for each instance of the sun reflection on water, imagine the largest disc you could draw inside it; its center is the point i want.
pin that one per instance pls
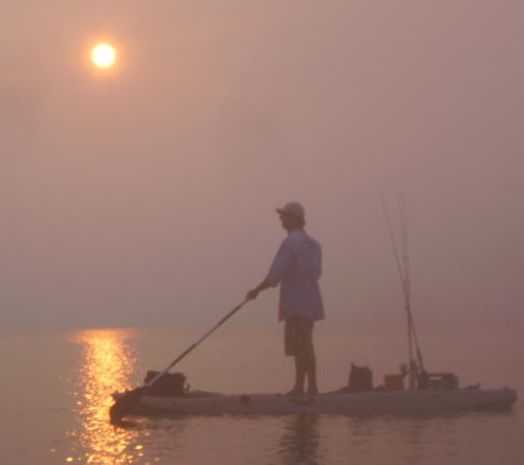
(107, 366)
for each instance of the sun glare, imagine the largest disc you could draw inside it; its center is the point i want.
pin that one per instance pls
(103, 55)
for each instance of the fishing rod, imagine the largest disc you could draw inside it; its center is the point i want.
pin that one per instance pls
(403, 265)
(407, 276)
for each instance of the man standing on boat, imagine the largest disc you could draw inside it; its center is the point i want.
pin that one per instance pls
(297, 267)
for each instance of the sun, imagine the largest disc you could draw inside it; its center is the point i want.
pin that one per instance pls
(103, 55)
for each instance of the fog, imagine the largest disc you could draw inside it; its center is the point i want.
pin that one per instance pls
(147, 197)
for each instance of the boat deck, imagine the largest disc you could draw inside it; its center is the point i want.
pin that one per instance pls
(427, 402)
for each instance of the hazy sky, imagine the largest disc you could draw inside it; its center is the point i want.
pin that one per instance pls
(148, 197)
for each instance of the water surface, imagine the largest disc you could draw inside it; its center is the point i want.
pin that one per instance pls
(57, 387)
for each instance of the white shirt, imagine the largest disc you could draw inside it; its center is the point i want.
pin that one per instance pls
(297, 267)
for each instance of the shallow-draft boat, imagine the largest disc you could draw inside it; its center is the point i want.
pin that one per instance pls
(427, 393)
(422, 402)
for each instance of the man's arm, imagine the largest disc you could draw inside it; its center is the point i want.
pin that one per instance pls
(253, 293)
(280, 265)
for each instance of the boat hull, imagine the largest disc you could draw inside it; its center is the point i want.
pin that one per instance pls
(428, 402)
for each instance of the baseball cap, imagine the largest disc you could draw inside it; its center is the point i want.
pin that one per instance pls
(292, 209)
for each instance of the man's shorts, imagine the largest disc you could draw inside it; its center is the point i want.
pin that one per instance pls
(298, 336)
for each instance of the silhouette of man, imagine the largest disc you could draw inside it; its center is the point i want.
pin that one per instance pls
(297, 267)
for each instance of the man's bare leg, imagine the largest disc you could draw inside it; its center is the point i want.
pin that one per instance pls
(300, 374)
(311, 372)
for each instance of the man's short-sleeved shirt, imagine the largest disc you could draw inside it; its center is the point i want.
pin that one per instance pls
(297, 267)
